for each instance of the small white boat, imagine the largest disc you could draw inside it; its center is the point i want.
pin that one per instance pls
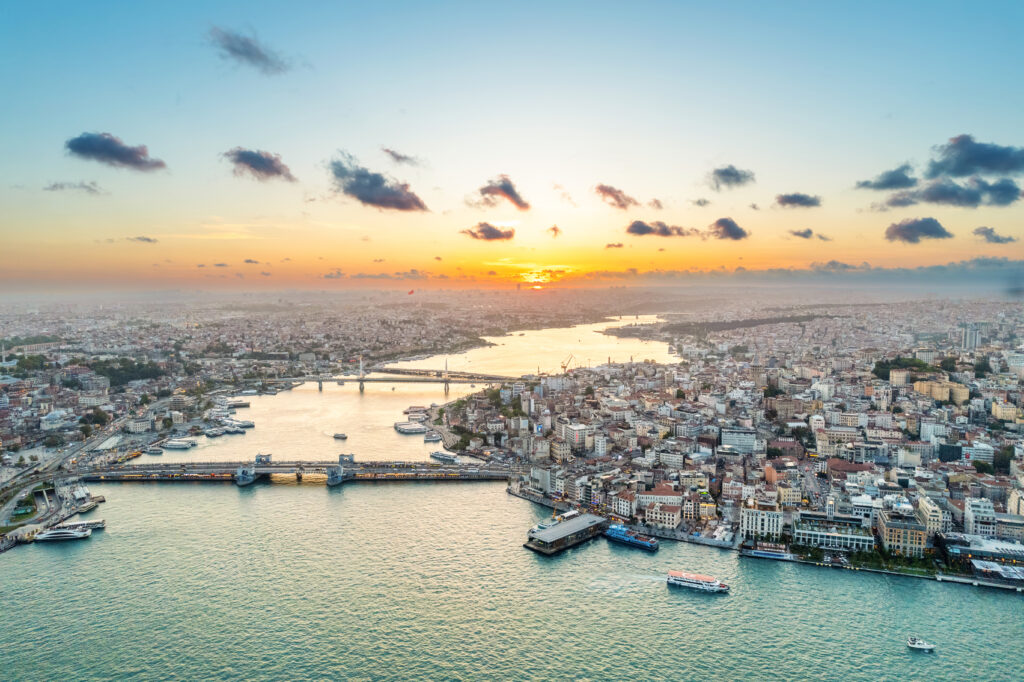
(696, 581)
(55, 534)
(919, 644)
(340, 436)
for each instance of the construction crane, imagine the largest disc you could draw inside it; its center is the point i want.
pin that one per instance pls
(567, 362)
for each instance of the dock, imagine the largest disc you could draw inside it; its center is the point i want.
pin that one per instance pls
(566, 534)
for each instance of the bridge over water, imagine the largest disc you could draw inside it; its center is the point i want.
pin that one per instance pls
(401, 375)
(343, 470)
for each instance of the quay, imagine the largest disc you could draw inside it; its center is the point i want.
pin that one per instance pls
(566, 534)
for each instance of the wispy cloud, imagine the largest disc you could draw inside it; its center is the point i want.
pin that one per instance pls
(502, 187)
(112, 151)
(142, 240)
(554, 231)
(247, 50)
(944, 191)
(615, 197)
(659, 229)
(89, 187)
(701, 202)
(400, 158)
(616, 245)
(258, 164)
(897, 178)
(488, 232)
(372, 189)
(993, 237)
(656, 204)
(336, 273)
(809, 234)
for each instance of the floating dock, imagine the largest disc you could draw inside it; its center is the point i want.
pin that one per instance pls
(566, 534)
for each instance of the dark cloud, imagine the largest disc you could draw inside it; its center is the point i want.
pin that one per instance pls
(220, 265)
(554, 230)
(728, 177)
(897, 178)
(755, 207)
(616, 245)
(963, 156)
(656, 204)
(992, 237)
(259, 164)
(660, 229)
(399, 157)
(797, 200)
(838, 266)
(88, 187)
(615, 197)
(974, 193)
(803, 234)
(823, 237)
(336, 273)
(372, 189)
(250, 261)
(913, 230)
(502, 187)
(488, 232)
(248, 51)
(111, 150)
(701, 203)
(142, 240)
(726, 228)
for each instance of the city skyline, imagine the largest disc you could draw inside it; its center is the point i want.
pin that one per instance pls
(344, 147)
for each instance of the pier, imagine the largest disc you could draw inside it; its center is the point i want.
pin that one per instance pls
(344, 470)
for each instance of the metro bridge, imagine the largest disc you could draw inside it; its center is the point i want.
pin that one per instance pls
(343, 470)
(403, 376)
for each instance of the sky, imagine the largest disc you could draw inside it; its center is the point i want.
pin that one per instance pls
(343, 145)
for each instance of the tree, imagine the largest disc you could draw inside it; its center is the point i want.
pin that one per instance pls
(589, 390)
(983, 468)
(53, 441)
(1001, 462)
(167, 422)
(981, 368)
(680, 394)
(86, 430)
(948, 364)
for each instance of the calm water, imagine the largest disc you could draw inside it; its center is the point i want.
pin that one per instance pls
(401, 580)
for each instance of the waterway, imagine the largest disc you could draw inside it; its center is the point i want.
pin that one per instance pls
(417, 580)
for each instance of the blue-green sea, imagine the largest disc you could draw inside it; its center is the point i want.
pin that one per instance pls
(420, 580)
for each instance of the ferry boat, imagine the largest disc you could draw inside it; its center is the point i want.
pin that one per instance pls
(214, 433)
(417, 416)
(432, 437)
(696, 581)
(55, 534)
(919, 644)
(619, 533)
(153, 450)
(543, 525)
(178, 444)
(445, 457)
(340, 436)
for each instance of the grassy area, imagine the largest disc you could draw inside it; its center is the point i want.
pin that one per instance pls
(8, 529)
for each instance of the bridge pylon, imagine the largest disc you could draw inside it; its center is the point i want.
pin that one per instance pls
(336, 474)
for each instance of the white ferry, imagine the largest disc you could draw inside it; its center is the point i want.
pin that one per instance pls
(410, 428)
(178, 444)
(55, 534)
(696, 581)
(432, 437)
(445, 457)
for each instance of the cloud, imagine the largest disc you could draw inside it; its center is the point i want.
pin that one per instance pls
(336, 273)
(616, 245)
(566, 197)
(201, 265)
(897, 178)
(412, 274)
(554, 230)
(701, 202)
(797, 199)
(913, 230)
(838, 266)
(437, 258)
(265, 273)
(992, 237)
(823, 237)
(615, 197)
(726, 228)
(142, 240)
(250, 261)
(220, 265)
(656, 204)
(488, 232)
(88, 187)
(372, 189)
(660, 229)
(248, 51)
(499, 188)
(259, 164)
(401, 158)
(974, 193)
(378, 260)
(962, 156)
(111, 150)
(755, 207)
(239, 275)
(803, 234)
(492, 273)
(728, 177)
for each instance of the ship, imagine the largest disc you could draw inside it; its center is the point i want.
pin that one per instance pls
(408, 428)
(154, 450)
(444, 457)
(178, 444)
(619, 533)
(432, 437)
(696, 581)
(214, 432)
(55, 534)
(340, 436)
(919, 644)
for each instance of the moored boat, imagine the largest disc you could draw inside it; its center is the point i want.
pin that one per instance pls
(55, 534)
(619, 533)
(340, 436)
(444, 457)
